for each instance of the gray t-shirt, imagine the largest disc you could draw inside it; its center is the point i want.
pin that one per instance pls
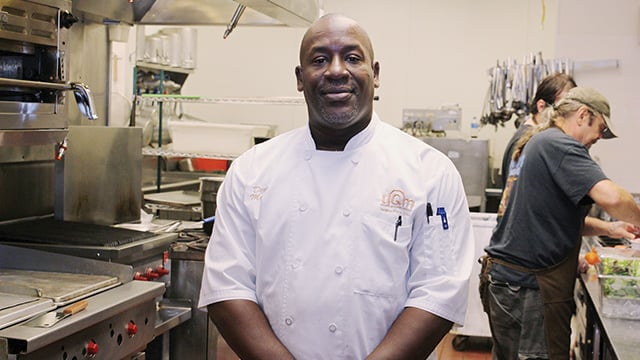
(508, 151)
(547, 206)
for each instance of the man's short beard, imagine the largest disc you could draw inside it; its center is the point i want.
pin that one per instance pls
(339, 120)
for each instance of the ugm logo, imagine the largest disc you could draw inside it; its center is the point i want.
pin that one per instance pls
(396, 199)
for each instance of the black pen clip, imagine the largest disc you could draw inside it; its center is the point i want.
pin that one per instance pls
(429, 211)
(398, 224)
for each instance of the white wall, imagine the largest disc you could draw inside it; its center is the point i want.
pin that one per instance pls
(591, 30)
(433, 53)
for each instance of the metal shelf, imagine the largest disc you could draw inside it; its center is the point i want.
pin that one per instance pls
(240, 101)
(154, 66)
(170, 153)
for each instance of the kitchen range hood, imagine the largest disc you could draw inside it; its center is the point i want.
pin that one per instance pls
(295, 13)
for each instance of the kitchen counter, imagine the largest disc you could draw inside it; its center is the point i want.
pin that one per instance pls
(619, 338)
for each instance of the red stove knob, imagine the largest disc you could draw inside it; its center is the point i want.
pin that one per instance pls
(139, 276)
(132, 328)
(162, 270)
(149, 273)
(92, 348)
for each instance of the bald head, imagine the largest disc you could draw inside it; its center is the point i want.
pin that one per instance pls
(334, 21)
(338, 76)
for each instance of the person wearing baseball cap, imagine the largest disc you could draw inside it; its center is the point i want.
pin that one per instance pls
(596, 102)
(533, 255)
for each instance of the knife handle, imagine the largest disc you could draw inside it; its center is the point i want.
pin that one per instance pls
(76, 307)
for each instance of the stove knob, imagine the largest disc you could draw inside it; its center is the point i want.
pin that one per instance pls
(150, 274)
(92, 348)
(132, 329)
(162, 270)
(67, 19)
(139, 276)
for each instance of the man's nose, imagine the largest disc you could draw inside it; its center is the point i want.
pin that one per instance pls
(337, 67)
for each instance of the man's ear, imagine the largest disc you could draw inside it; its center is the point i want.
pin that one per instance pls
(299, 77)
(582, 114)
(376, 74)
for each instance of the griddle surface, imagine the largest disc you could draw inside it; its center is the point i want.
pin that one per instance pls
(58, 232)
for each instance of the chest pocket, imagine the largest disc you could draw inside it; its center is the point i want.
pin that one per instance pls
(381, 256)
(439, 235)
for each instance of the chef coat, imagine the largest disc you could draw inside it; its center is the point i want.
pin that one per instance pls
(332, 245)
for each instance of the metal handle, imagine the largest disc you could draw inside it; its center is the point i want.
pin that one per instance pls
(34, 84)
(75, 308)
(85, 100)
(234, 20)
(81, 91)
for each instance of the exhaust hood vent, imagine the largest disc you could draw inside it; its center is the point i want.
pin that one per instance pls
(296, 13)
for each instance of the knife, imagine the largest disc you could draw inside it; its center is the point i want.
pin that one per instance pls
(51, 318)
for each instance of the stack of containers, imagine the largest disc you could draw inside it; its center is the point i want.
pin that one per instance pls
(619, 275)
(175, 47)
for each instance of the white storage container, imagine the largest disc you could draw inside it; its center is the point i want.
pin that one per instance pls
(211, 138)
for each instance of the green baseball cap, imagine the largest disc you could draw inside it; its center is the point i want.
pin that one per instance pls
(596, 102)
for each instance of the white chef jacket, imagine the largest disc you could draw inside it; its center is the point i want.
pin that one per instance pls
(314, 238)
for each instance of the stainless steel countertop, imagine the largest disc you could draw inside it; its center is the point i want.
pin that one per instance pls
(101, 307)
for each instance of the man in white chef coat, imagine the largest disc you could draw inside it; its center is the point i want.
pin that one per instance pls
(343, 239)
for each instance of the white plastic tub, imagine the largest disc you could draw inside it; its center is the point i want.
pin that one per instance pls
(211, 138)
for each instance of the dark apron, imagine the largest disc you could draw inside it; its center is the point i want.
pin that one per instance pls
(556, 285)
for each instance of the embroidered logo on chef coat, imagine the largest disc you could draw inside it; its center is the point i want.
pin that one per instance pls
(257, 192)
(396, 199)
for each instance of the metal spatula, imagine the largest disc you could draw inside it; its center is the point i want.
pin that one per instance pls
(51, 318)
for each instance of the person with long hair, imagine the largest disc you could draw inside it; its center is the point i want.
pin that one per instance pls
(528, 276)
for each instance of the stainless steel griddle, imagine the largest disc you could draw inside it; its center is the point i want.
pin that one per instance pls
(121, 318)
(90, 241)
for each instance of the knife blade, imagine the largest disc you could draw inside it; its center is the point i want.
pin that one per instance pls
(53, 317)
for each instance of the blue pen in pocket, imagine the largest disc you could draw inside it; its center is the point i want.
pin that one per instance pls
(443, 215)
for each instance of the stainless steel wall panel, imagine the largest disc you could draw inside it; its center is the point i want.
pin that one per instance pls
(99, 180)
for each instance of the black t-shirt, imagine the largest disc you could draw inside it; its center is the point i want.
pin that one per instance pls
(547, 205)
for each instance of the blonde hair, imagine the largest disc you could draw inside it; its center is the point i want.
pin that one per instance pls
(551, 117)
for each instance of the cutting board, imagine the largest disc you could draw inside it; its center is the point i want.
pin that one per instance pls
(60, 287)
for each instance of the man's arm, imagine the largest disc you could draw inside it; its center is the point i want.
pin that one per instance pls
(612, 229)
(616, 201)
(414, 335)
(246, 330)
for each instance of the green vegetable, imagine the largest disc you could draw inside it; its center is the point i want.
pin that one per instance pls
(617, 266)
(618, 287)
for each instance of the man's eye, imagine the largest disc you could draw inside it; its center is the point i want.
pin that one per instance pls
(353, 58)
(319, 60)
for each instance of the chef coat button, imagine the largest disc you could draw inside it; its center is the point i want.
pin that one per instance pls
(333, 327)
(307, 155)
(339, 269)
(303, 207)
(355, 161)
(288, 321)
(346, 212)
